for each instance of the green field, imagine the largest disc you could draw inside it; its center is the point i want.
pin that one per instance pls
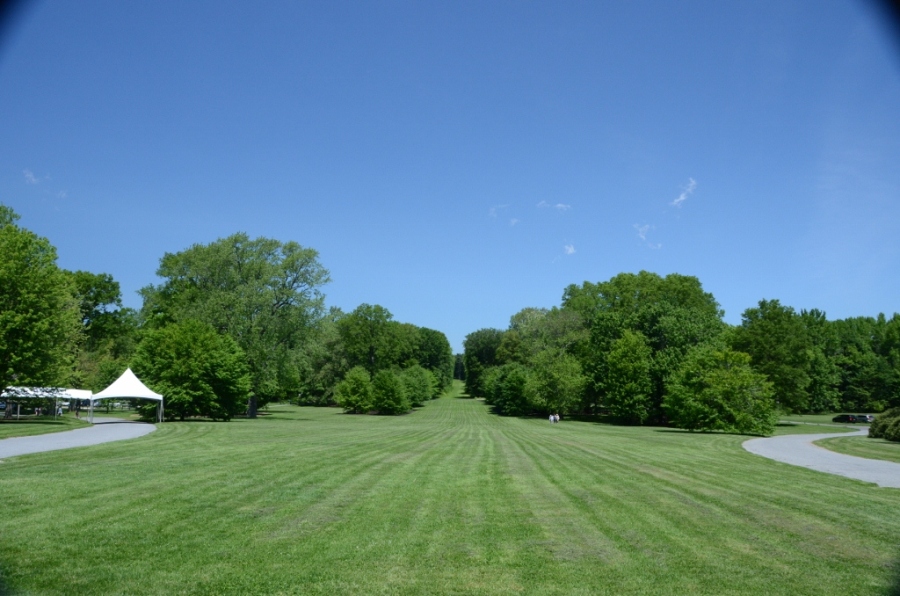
(784, 428)
(449, 499)
(29, 425)
(864, 447)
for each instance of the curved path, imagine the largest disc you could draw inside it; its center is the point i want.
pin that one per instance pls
(104, 430)
(798, 450)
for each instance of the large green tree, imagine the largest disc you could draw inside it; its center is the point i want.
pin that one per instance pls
(200, 372)
(627, 384)
(775, 338)
(480, 354)
(40, 320)
(262, 292)
(370, 337)
(716, 389)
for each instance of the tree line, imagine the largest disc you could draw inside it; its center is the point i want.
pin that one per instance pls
(645, 349)
(234, 324)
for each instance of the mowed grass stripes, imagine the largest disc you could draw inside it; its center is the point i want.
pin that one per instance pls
(449, 499)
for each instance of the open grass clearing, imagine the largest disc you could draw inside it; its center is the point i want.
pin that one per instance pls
(449, 499)
(863, 447)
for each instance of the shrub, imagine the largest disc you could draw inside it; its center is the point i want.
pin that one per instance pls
(198, 371)
(354, 392)
(509, 393)
(715, 389)
(420, 385)
(556, 383)
(389, 394)
(882, 422)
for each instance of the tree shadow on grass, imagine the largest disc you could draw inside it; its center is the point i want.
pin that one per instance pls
(893, 587)
(700, 433)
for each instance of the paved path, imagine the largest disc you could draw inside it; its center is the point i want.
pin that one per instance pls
(798, 450)
(104, 430)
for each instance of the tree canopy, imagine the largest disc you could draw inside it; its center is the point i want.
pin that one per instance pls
(40, 319)
(262, 292)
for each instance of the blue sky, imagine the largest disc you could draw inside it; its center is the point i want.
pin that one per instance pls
(458, 161)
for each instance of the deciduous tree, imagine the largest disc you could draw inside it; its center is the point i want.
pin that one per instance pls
(40, 321)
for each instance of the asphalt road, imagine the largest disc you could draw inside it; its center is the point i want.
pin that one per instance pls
(798, 450)
(104, 430)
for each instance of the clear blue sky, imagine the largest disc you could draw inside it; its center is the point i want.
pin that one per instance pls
(458, 161)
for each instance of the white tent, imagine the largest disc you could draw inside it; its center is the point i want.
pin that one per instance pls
(128, 386)
(55, 393)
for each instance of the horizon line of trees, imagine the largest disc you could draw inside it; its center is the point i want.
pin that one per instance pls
(234, 324)
(645, 349)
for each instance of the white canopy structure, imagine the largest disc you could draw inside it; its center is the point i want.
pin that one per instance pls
(55, 393)
(128, 386)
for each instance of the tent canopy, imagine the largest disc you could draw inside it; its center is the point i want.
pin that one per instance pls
(128, 385)
(45, 393)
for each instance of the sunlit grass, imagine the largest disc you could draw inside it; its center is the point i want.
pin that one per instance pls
(449, 499)
(30, 425)
(864, 447)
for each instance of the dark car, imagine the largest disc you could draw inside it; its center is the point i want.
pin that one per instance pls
(864, 418)
(845, 418)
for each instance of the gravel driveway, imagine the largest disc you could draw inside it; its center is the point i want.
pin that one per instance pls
(104, 430)
(798, 450)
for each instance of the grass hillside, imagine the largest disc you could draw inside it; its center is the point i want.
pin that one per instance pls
(449, 499)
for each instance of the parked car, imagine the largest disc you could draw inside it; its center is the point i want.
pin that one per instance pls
(864, 418)
(844, 418)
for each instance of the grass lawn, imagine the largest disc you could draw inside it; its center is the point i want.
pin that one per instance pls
(447, 500)
(864, 447)
(38, 426)
(784, 428)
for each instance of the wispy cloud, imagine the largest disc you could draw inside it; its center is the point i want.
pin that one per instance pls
(569, 248)
(62, 194)
(513, 222)
(30, 178)
(493, 211)
(558, 206)
(642, 231)
(686, 191)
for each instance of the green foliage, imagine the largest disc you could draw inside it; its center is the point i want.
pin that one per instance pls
(878, 429)
(389, 393)
(627, 385)
(459, 368)
(354, 392)
(261, 292)
(506, 389)
(420, 385)
(892, 430)
(370, 338)
(435, 354)
(323, 362)
(198, 371)
(556, 383)
(717, 389)
(775, 338)
(40, 321)
(480, 354)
